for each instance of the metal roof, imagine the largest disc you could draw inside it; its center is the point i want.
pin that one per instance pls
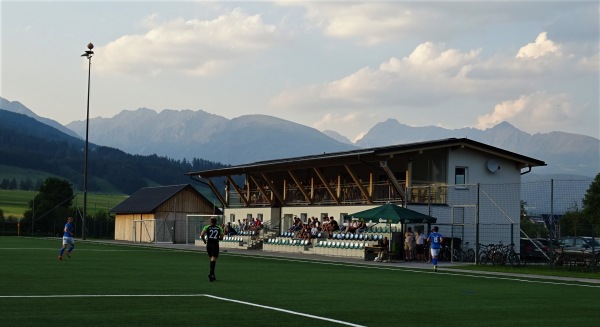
(146, 200)
(361, 154)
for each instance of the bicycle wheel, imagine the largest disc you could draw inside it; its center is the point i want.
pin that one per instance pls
(514, 259)
(470, 255)
(483, 259)
(498, 259)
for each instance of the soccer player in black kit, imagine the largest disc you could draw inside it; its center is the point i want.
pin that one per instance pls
(211, 235)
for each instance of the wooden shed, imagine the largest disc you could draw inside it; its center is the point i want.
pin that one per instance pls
(161, 214)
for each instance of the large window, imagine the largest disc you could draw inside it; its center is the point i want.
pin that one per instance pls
(460, 176)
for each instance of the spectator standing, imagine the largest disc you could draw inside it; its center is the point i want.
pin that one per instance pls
(409, 239)
(421, 246)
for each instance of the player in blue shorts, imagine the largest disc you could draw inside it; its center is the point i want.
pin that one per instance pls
(435, 239)
(211, 235)
(69, 232)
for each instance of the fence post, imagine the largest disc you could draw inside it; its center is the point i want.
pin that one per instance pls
(512, 233)
(477, 227)
(553, 235)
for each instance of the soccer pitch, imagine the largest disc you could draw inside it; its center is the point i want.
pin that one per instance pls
(118, 285)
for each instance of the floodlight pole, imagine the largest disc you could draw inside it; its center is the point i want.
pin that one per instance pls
(88, 54)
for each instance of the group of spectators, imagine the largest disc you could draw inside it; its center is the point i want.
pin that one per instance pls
(313, 227)
(414, 245)
(250, 224)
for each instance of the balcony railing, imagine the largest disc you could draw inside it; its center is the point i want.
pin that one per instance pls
(349, 194)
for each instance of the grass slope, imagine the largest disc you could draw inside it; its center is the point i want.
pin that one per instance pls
(361, 295)
(16, 202)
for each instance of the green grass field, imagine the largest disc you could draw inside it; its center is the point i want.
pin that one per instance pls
(127, 285)
(16, 202)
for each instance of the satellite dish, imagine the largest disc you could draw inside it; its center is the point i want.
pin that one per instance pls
(492, 166)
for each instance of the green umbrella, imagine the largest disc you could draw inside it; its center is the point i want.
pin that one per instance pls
(394, 214)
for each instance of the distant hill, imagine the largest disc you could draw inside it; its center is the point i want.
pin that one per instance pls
(337, 136)
(19, 108)
(187, 134)
(30, 144)
(564, 153)
(250, 138)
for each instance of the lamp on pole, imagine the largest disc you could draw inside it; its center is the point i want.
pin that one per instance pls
(88, 54)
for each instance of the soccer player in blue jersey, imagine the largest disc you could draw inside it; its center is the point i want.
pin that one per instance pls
(69, 232)
(211, 235)
(435, 239)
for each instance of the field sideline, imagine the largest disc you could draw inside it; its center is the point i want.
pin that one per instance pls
(116, 284)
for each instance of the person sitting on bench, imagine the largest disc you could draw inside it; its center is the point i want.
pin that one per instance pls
(385, 249)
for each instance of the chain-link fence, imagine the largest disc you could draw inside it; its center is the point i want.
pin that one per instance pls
(519, 223)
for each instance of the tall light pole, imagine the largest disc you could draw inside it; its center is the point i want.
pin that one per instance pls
(88, 54)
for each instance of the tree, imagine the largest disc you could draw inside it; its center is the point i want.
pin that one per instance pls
(52, 204)
(591, 202)
(530, 228)
(13, 184)
(585, 221)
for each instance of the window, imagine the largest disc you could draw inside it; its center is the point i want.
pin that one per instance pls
(460, 176)
(232, 218)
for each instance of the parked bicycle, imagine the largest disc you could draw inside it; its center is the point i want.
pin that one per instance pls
(499, 254)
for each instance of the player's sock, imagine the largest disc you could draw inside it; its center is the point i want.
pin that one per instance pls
(71, 248)
(434, 261)
(62, 251)
(212, 267)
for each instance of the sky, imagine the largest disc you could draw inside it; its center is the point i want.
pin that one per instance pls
(341, 66)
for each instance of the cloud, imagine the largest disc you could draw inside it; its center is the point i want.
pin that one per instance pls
(430, 69)
(440, 81)
(540, 48)
(195, 47)
(544, 111)
(367, 23)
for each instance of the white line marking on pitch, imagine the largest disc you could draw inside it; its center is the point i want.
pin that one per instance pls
(184, 295)
(286, 311)
(523, 279)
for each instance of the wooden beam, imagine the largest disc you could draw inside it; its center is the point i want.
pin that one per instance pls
(237, 189)
(322, 178)
(216, 192)
(273, 188)
(262, 190)
(300, 187)
(393, 179)
(358, 184)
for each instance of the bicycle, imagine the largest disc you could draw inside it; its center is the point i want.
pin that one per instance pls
(469, 254)
(506, 254)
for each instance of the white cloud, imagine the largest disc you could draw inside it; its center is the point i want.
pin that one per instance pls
(196, 47)
(539, 111)
(540, 48)
(430, 69)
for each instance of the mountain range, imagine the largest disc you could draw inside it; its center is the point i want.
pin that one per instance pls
(250, 138)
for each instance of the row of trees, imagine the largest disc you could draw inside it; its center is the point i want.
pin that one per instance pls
(51, 206)
(24, 184)
(576, 221)
(28, 144)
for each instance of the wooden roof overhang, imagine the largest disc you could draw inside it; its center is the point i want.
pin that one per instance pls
(372, 156)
